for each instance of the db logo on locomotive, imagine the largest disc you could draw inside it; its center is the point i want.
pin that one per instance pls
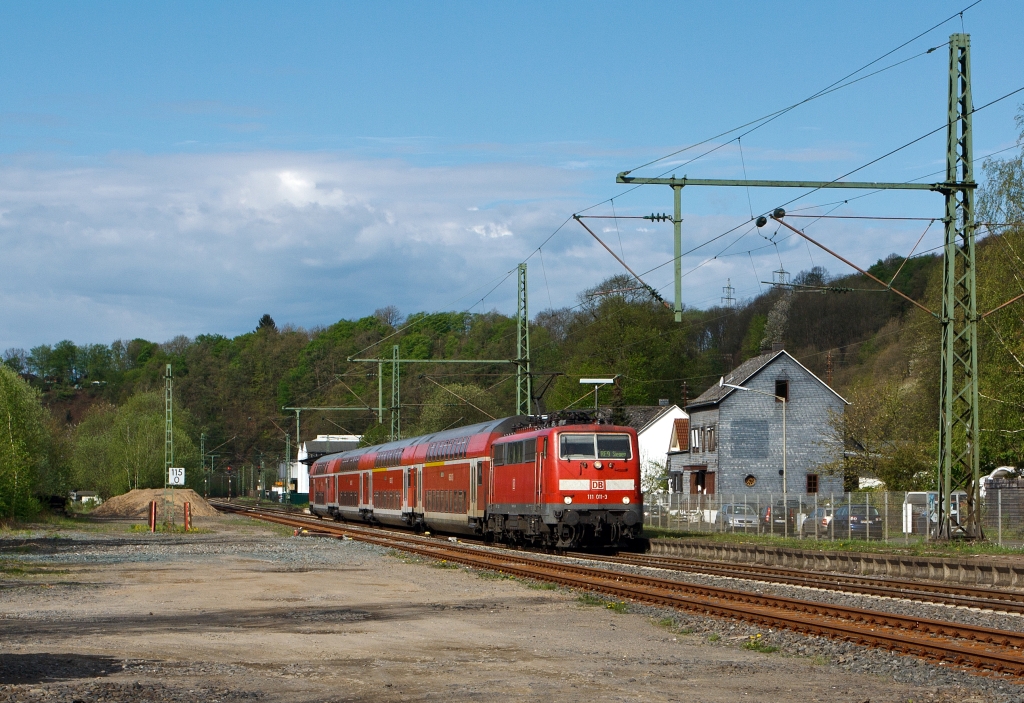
(597, 485)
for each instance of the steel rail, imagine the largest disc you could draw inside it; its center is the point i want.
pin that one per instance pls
(965, 596)
(972, 647)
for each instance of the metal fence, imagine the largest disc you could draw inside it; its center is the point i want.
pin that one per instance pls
(870, 515)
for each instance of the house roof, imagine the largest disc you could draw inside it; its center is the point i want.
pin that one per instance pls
(743, 373)
(640, 417)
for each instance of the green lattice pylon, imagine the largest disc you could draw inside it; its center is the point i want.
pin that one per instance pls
(958, 413)
(524, 386)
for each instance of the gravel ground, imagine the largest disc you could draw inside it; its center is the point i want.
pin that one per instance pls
(246, 612)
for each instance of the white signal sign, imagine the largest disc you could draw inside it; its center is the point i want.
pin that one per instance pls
(176, 476)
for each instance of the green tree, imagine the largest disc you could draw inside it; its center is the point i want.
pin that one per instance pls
(885, 433)
(117, 449)
(455, 405)
(24, 445)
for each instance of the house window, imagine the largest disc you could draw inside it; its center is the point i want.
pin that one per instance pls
(712, 439)
(812, 483)
(695, 440)
(782, 389)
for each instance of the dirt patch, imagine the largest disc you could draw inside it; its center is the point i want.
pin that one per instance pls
(248, 614)
(135, 504)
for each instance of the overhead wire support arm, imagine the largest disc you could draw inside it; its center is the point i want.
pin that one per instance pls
(751, 183)
(654, 293)
(777, 216)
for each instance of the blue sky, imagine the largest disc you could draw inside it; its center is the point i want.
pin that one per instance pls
(182, 168)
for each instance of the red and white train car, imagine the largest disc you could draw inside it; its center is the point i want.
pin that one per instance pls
(517, 479)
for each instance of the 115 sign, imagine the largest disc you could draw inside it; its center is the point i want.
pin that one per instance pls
(176, 476)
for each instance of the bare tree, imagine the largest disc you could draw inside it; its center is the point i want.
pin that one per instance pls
(388, 315)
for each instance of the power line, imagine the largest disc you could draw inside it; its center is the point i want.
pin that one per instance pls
(837, 85)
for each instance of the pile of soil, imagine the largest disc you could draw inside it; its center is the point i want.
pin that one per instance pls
(136, 503)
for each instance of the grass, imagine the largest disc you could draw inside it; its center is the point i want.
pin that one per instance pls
(12, 567)
(541, 585)
(444, 564)
(755, 644)
(714, 637)
(918, 547)
(590, 600)
(671, 625)
(495, 576)
(164, 527)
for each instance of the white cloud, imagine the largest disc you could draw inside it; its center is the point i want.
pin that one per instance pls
(164, 245)
(157, 246)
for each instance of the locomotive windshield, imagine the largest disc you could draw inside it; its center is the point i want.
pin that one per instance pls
(594, 446)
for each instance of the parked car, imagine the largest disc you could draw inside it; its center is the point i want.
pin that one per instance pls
(856, 522)
(817, 522)
(736, 516)
(780, 518)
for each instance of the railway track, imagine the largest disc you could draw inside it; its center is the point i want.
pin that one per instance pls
(978, 649)
(962, 596)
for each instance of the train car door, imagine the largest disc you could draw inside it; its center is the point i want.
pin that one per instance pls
(331, 489)
(474, 471)
(419, 487)
(538, 468)
(481, 488)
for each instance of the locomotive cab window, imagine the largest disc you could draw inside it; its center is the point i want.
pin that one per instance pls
(594, 446)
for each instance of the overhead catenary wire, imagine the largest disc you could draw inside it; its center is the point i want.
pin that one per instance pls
(835, 86)
(824, 91)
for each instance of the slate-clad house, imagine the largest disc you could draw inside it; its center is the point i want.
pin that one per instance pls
(735, 438)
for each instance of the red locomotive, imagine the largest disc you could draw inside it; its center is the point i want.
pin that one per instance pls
(564, 482)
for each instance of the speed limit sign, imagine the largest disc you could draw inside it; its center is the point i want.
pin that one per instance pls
(176, 476)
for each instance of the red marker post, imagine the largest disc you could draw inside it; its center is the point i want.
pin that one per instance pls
(188, 516)
(152, 516)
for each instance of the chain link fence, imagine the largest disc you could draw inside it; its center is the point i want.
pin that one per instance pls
(871, 515)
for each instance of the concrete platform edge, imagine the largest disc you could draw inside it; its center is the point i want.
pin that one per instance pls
(973, 571)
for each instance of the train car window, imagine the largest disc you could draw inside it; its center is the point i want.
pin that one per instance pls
(576, 446)
(529, 450)
(499, 454)
(589, 446)
(613, 446)
(514, 453)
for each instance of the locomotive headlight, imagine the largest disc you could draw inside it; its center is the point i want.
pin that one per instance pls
(625, 499)
(598, 465)
(567, 500)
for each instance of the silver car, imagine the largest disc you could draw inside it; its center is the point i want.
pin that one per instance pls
(737, 516)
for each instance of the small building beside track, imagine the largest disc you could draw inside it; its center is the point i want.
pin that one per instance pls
(736, 434)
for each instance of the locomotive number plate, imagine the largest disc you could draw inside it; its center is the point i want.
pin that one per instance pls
(597, 496)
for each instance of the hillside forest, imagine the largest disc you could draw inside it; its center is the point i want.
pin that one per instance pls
(91, 416)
